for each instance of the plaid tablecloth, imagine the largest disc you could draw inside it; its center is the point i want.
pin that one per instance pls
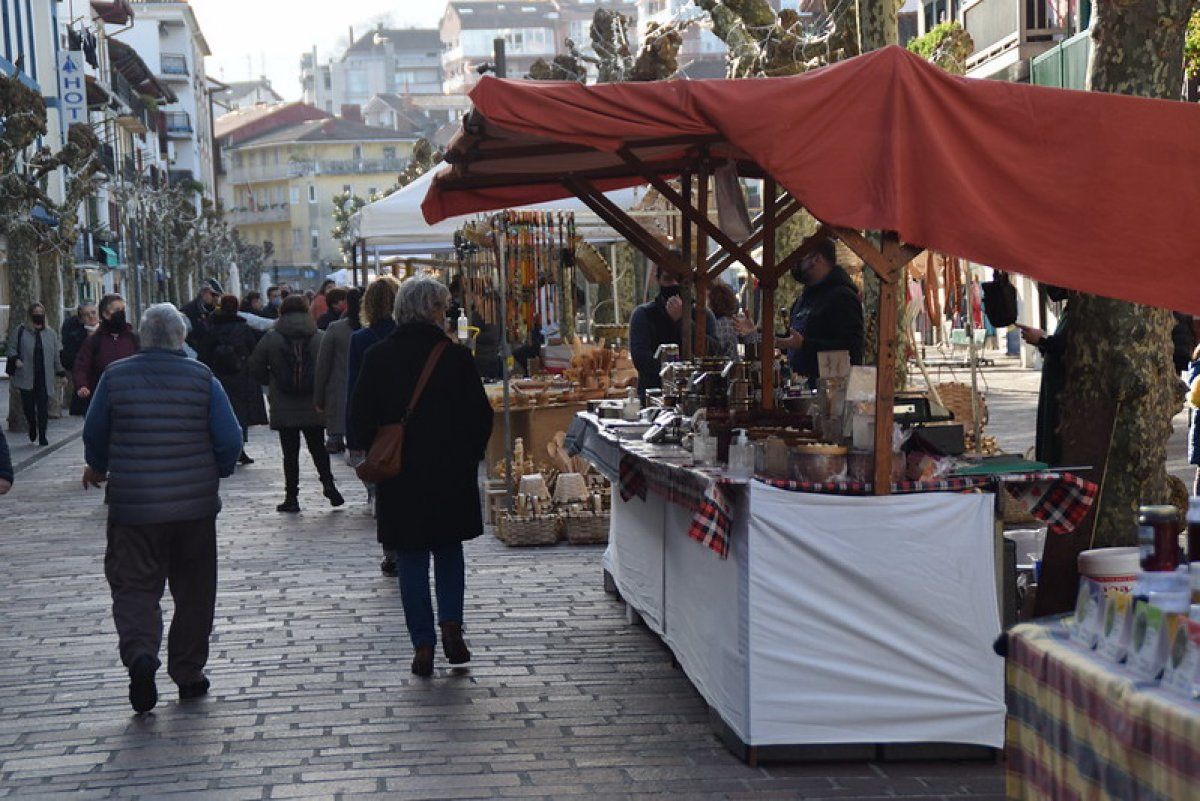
(1060, 500)
(1080, 729)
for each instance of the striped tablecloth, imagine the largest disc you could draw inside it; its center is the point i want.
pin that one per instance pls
(1079, 728)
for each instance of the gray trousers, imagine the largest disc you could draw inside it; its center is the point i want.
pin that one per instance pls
(138, 562)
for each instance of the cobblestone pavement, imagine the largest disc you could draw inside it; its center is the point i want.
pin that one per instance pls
(311, 691)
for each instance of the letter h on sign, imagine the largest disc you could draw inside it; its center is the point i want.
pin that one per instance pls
(72, 89)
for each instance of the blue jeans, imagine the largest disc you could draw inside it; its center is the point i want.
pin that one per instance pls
(449, 573)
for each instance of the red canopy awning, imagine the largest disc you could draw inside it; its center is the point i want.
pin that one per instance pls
(1091, 191)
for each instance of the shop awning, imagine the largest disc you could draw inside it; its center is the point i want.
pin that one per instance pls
(1092, 191)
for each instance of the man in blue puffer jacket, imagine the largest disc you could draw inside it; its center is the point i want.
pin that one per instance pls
(162, 433)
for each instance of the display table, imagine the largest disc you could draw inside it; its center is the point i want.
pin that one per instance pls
(833, 619)
(1079, 727)
(536, 425)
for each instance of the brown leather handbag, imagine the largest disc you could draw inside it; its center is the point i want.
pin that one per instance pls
(386, 455)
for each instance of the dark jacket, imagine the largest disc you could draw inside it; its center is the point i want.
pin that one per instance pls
(162, 429)
(22, 344)
(1194, 418)
(435, 500)
(73, 335)
(99, 351)
(6, 465)
(360, 341)
(830, 317)
(332, 370)
(327, 319)
(244, 391)
(1048, 447)
(1183, 341)
(268, 362)
(200, 318)
(651, 326)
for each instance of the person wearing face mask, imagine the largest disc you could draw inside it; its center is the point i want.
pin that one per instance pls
(33, 356)
(75, 332)
(113, 340)
(198, 312)
(660, 322)
(274, 299)
(1053, 348)
(827, 316)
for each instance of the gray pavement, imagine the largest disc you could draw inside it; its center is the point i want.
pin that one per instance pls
(311, 694)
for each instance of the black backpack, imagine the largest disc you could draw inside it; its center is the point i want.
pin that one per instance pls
(296, 375)
(1000, 300)
(228, 358)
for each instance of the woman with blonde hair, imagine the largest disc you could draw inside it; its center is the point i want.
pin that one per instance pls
(375, 314)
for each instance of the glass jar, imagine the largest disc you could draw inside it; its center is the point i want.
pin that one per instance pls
(1158, 538)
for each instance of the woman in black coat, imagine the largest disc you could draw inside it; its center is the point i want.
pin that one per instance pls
(226, 349)
(432, 507)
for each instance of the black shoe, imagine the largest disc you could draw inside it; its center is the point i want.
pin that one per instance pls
(32, 435)
(422, 664)
(388, 568)
(43, 442)
(453, 644)
(197, 689)
(245, 458)
(143, 694)
(290, 504)
(331, 492)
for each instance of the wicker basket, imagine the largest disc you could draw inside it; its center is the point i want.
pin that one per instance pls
(521, 532)
(588, 528)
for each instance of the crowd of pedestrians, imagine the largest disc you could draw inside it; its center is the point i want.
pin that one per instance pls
(167, 415)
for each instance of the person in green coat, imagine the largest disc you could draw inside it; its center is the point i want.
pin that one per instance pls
(1053, 348)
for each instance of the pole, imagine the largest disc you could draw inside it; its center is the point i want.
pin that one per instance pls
(501, 243)
(768, 282)
(500, 57)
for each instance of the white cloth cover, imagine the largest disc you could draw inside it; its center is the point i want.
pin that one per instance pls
(395, 222)
(834, 620)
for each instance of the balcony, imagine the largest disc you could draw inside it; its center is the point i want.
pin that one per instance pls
(1063, 66)
(174, 66)
(180, 178)
(1007, 33)
(275, 213)
(108, 159)
(178, 124)
(132, 114)
(347, 167)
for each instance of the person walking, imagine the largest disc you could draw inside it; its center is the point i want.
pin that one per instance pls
(161, 433)
(113, 340)
(378, 306)
(199, 310)
(33, 352)
(6, 466)
(332, 368)
(75, 331)
(319, 303)
(1053, 348)
(432, 506)
(226, 349)
(285, 361)
(335, 300)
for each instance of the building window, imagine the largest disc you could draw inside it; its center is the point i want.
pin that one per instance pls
(356, 82)
(275, 153)
(347, 189)
(371, 192)
(297, 238)
(389, 153)
(312, 193)
(315, 239)
(279, 195)
(296, 197)
(358, 152)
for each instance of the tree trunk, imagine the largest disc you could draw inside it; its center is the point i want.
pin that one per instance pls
(877, 24)
(1122, 389)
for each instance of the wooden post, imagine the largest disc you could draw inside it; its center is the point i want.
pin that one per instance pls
(885, 384)
(685, 281)
(701, 260)
(768, 281)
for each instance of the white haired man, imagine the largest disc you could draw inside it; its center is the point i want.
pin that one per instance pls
(162, 433)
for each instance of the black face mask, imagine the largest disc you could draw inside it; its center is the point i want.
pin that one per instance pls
(1056, 294)
(668, 292)
(38, 319)
(115, 323)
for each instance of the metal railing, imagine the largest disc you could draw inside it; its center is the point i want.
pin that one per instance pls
(174, 64)
(279, 212)
(178, 122)
(299, 169)
(997, 25)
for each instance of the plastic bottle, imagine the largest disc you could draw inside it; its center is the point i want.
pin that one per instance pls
(704, 446)
(741, 455)
(463, 333)
(1193, 530)
(632, 406)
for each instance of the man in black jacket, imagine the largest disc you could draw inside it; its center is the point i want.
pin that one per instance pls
(199, 310)
(659, 322)
(827, 316)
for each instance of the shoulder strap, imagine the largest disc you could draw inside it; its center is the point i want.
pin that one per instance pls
(430, 363)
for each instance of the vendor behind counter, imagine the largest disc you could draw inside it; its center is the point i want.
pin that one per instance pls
(660, 322)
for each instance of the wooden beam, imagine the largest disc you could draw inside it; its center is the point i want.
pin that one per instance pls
(720, 260)
(626, 226)
(466, 181)
(885, 386)
(768, 281)
(886, 262)
(687, 209)
(700, 316)
(802, 251)
(687, 345)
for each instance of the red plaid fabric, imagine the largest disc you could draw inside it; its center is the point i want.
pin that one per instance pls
(703, 494)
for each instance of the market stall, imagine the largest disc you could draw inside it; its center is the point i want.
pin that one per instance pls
(804, 520)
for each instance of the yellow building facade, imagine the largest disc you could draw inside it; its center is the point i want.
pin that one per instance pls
(278, 189)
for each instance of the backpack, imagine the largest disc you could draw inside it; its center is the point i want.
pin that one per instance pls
(1000, 300)
(228, 358)
(296, 375)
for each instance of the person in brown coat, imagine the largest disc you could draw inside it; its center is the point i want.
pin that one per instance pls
(112, 341)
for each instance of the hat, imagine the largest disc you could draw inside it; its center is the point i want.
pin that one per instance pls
(212, 286)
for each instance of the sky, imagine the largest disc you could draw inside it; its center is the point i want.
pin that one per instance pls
(249, 38)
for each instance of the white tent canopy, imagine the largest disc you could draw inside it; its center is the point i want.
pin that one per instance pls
(394, 224)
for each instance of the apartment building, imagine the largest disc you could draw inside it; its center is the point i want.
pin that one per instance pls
(167, 36)
(530, 30)
(234, 95)
(279, 181)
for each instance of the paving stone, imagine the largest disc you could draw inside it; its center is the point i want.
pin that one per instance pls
(311, 693)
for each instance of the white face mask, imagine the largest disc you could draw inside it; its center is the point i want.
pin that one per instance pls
(91, 328)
